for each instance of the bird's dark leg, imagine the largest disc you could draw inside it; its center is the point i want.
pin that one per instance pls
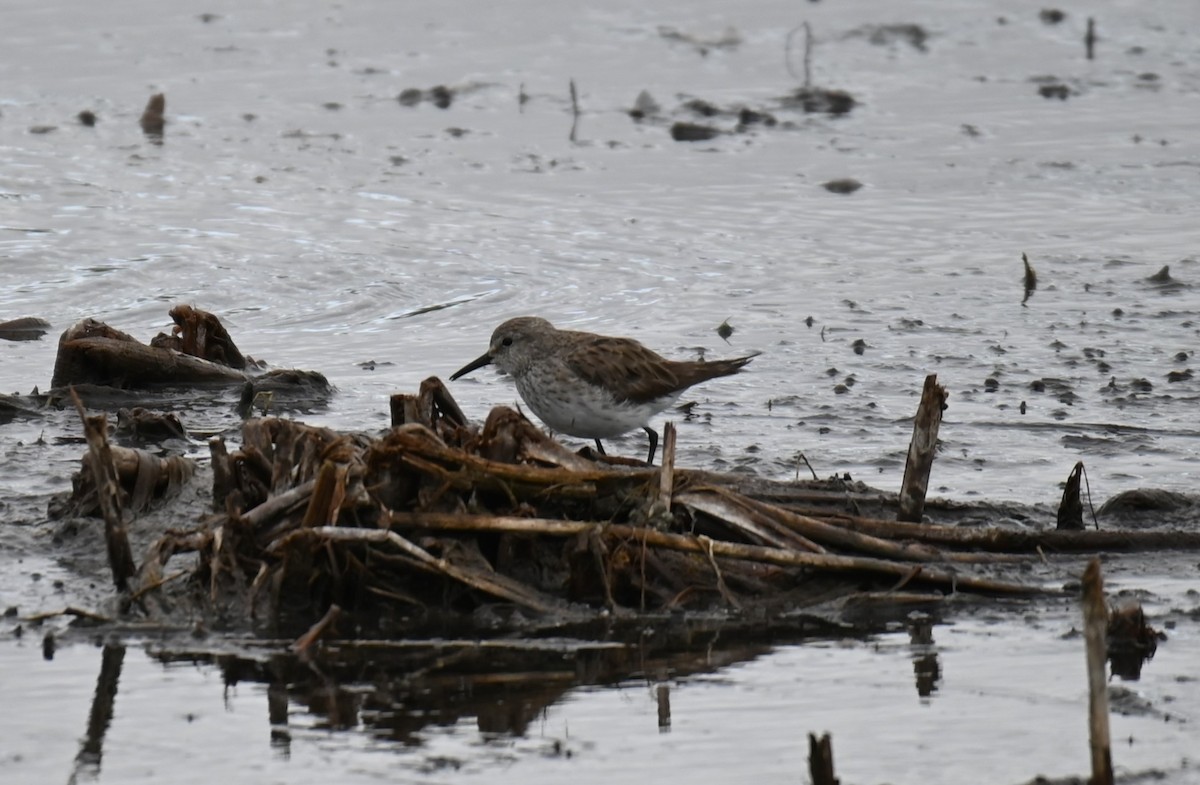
(653, 442)
(600, 448)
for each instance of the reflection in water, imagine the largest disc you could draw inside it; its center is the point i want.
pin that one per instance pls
(662, 695)
(394, 690)
(928, 673)
(87, 762)
(926, 668)
(277, 711)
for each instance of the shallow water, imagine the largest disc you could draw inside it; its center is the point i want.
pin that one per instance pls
(990, 697)
(320, 249)
(328, 226)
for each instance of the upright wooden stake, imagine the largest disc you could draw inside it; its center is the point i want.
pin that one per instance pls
(921, 450)
(1095, 633)
(666, 473)
(820, 760)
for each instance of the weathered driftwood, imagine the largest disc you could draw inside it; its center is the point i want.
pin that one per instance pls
(89, 353)
(199, 352)
(921, 450)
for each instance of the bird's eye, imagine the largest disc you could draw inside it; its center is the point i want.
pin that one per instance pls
(506, 342)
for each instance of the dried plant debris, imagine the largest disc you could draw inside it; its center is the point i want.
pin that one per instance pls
(143, 425)
(729, 39)
(697, 119)
(442, 96)
(818, 100)
(439, 95)
(439, 521)
(887, 35)
(200, 334)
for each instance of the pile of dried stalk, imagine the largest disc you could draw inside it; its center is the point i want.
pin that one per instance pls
(438, 519)
(439, 515)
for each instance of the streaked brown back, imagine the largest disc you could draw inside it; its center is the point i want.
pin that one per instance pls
(640, 374)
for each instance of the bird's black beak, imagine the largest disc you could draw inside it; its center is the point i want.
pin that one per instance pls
(485, 359)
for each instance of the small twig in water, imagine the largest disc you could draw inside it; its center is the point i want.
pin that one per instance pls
(802, 458)
(574, 112)
(787, 53)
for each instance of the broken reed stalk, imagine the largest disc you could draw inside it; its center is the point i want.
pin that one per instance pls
(1015, 541)
(99, 462)
(921, 451)
(1095, 634)
(280, 505)
(314, 633)
(759, 529)
(666, 473)
(685, 543)
(820, 760)
(817, 533)
(329, 491)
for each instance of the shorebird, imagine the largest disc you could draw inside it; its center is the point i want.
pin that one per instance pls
(592, 386)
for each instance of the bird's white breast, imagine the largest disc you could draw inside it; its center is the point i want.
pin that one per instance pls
(586, 410)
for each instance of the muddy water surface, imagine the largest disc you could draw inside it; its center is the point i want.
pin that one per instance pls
(330, 226)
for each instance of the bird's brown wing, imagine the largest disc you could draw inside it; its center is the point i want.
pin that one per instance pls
(637, 374)
(633, 372)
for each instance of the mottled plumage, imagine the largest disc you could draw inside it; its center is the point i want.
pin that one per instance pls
(588, 385)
